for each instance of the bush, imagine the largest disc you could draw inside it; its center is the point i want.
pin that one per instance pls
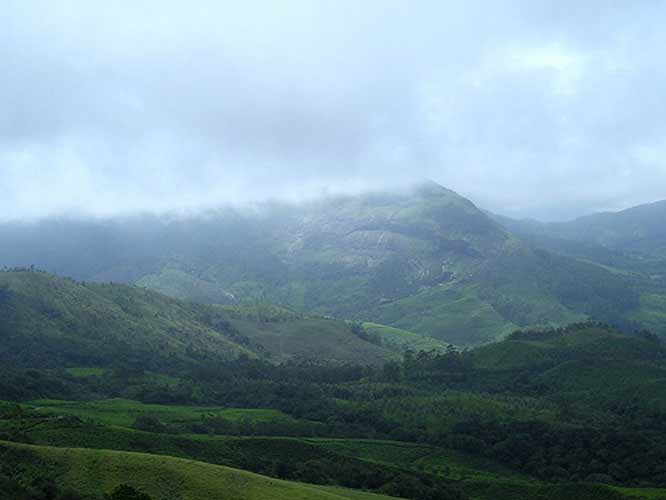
(126, 492)
(149, 423)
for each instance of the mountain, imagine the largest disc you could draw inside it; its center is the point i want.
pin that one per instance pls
(48, 321)
(639, 231)
(424, 260)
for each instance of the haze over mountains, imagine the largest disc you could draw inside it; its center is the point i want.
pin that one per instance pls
(426, 261)
(223, 276)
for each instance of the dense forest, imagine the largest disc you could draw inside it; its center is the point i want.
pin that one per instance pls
(505, 402)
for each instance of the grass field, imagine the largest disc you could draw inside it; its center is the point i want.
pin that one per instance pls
(123, 412)
(235, 451)
(401, 340)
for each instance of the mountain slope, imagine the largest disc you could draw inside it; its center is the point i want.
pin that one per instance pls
(51, 321)
(426, 261)
(630, 244)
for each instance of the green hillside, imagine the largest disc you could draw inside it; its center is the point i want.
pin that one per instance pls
(582, 364)
(631, 242)
(582, 341)
(49, 321)
(93, 472)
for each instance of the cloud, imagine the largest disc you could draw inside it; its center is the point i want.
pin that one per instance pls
(530, 108)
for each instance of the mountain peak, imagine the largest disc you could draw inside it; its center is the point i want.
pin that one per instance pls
(428, 187)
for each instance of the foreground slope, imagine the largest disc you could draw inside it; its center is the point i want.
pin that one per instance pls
(467, 476)
(165, 478)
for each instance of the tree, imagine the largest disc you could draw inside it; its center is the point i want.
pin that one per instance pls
(392, 371)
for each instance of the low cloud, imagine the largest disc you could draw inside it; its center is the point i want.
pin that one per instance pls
(528, 108)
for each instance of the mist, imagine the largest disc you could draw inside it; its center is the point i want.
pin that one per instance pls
(530, 109)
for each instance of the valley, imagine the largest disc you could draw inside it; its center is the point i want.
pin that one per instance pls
(332, 250)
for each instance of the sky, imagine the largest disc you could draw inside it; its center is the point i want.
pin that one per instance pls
(543, 109)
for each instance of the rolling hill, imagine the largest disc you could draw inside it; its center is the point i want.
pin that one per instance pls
(164, 478)
(583, 362)
(51, 322)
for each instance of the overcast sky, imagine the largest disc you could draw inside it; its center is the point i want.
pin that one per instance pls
(547, 109)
